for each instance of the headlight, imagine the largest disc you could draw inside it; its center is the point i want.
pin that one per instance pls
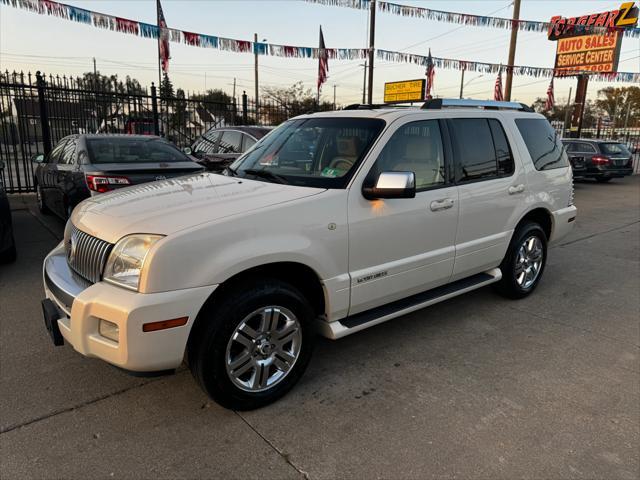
(126, 260)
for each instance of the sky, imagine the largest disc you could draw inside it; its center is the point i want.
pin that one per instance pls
(31, 42)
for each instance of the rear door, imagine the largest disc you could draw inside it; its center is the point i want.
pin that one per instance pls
(49, 176)
(491, 187)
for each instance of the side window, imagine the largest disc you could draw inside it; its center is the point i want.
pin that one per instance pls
(570, 147)
(208, 143)
(415, 147)
(474, 150)
(584, 147)
(231, 142)
(68, 153)
(503, 151)
(248, 143)
(54, 155)
(543, 143)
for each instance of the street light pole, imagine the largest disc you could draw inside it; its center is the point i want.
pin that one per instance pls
(364, 82)
(334, 97)
(372, 38)
(255, 54)
(470, 80)
(462, 82)
(512, 49)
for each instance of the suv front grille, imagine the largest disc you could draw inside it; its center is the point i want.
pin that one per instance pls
(86, 255)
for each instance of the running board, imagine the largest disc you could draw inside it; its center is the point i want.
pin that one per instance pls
(369, 318)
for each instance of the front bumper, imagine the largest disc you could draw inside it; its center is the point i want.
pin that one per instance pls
(81, 306)
(563, 222)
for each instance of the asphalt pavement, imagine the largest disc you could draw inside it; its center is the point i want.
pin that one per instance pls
(477, 387)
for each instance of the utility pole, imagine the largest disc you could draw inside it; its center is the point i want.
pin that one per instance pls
(372, 38)
(462, 81)
(364, 83)
(334, 99)
(566, 114)
(255, 54)
(512, 49)
(95, 69)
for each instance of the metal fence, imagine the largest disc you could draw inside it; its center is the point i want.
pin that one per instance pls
(37, 111)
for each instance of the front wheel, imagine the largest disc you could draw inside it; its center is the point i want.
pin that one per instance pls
(524, 262)
(251, 347)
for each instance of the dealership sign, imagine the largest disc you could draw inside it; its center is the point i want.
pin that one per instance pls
(624, 17)
(405, 91)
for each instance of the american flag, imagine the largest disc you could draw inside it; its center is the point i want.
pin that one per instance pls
(163, 39)
(323, 63)
(430, 73)
(497, 90)
(548, 105)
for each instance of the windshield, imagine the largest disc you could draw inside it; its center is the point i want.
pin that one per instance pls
(312, 152)
(132, 150)
(614, 149)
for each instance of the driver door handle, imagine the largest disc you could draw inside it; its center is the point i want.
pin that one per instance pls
(442, 204)
(513, 189)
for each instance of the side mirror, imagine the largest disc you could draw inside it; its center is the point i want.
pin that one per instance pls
(39, 158)
(391, 185)
(187, 150)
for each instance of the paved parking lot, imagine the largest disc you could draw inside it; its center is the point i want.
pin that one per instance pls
(476, 387)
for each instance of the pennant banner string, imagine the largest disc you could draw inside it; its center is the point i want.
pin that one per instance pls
(482, 67)
(146, 30)
(462, 18)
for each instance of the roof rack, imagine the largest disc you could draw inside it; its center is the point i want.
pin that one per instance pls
(438, 103)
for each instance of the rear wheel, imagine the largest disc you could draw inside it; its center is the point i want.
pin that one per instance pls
(251, 347)
(524, 262)
(42, 206)
(603, 179)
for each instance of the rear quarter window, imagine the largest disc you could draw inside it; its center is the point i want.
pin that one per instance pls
(543, 143)
(614, 149)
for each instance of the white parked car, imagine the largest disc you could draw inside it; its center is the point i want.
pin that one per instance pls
(333, 223)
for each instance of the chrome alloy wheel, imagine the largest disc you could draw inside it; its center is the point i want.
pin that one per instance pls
(529, 262)
(263, 348)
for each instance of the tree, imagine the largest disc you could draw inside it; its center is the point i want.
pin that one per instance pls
(217, 104)
(166, 87)
(559, 111)
(289, 102)
(615, 102)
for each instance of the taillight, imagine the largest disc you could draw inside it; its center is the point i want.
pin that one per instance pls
(104, 183)
(599, 160)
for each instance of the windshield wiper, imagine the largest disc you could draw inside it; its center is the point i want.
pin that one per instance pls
(232, 172)
(266, 174)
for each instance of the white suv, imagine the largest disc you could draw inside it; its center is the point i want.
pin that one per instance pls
(332, 223)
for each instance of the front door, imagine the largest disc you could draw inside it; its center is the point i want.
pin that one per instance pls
(399, 247)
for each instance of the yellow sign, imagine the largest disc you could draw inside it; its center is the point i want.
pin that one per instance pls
(405, 91)
(593, 53)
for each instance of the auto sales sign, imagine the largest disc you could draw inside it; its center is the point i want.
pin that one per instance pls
(581, 48)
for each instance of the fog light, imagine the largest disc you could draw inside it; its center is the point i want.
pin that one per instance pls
(108, 330)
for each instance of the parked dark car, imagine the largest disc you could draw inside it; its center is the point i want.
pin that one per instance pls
(219, 147)
(599, 159)
(80, 166)
(7, 242)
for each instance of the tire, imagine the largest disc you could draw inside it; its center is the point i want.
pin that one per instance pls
(217, 342)
(531, 241)
(42, 206)
(603, 179)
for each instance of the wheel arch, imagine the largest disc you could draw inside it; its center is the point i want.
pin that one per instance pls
(299, 275)
(540, 215)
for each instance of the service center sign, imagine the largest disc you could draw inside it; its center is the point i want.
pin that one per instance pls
(589, 53)
(407, 91)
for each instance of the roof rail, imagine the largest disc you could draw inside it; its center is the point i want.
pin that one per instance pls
(364, 106)
(438, 103)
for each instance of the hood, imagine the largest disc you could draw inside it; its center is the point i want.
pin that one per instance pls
(172, 205)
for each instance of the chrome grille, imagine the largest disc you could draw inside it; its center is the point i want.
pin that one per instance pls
(86, 255)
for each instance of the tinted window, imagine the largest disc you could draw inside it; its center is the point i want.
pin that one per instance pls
(68, 153)
(503, 150)
(231, 142)
(54, 156)
(208, 143)
(415, 147)
(475, 152)
(132, 150)
(614, 149)
(580, 147)
(543, 143)
(314, 152)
